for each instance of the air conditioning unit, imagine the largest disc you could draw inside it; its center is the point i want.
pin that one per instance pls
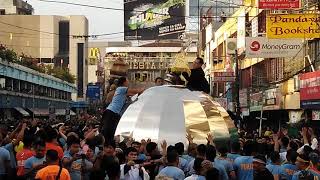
(231, 45)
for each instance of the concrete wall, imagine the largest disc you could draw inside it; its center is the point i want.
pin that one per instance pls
(79, 26)
(21, 33)
(38, 37)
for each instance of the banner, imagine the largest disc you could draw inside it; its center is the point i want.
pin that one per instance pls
(150, 20)
(261, 47)
(310, 86)
(223, 77)
(293, 26)
(282, 4)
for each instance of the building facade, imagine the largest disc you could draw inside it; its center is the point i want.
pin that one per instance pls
(15, 7)
(26, 92)
(144, 64)
(270, 82)
(57, 40)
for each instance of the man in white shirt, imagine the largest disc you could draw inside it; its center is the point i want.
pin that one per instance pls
(130, 170)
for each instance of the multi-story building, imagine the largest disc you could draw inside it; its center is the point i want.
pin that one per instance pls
(269, 85)
(26, 92)
(15, 7)
(145, 63)
(58, 40)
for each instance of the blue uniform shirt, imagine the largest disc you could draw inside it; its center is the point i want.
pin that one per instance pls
(244, 167)
(118, 100)
(288, 170)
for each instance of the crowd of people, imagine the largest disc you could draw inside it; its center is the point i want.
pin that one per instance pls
(87, 149)
(40, 151)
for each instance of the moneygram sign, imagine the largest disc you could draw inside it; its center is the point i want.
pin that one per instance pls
(293, 26)
(150, 20)
(261, 47)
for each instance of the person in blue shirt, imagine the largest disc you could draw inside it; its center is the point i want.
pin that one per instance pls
(36, 162)
(201, 153)
(4, 161)
(141, 156)
(260, 172)
(305, 172)
(183, 163)
(75, 161)
(226, 162)
(289, 167)
(172, 169)
(235, 151)
(211, 155)
(111, 116)
(198, 167)
(243, 164)
(274, 167)
(191, 152)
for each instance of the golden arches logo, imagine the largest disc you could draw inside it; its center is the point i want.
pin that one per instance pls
(94, 52)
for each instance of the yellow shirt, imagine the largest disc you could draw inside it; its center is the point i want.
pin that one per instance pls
(51, 172)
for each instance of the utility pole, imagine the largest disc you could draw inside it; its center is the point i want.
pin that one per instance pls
(237, 84)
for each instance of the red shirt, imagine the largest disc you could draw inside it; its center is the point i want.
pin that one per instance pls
(21, 157)
(53, 146)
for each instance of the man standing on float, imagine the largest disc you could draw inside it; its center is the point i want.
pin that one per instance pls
(112, 115)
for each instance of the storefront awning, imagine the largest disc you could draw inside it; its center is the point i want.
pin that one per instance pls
(22, 111)
(39, 112)
(62, 112)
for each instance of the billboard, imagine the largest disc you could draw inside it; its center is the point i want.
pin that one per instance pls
(261, 47)
(282, 4)
(150, 20)
(293, 26)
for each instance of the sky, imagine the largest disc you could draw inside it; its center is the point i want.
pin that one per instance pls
(100, 20)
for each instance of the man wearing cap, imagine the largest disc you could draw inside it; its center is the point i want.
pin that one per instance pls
(305, 172)
(260, 171)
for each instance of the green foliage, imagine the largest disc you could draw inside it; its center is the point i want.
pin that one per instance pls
(32, 63)
(62, 73)
(7, 54)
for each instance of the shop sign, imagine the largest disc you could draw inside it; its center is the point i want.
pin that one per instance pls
(148, 65)
(223, 102)
(293, 26)
(261, 47)
(243, 96)
(310, 86)
(315, 115)
(223, 77)
(256, 101)
(272, 99)
(245, 112)
(282, 4)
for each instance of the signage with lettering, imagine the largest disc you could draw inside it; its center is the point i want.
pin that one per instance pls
(223, 77)
(256, 101)
(272, 99)
(279, 4)
(261, 47)
(148, 65)
(293, 26)
(310, 90)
